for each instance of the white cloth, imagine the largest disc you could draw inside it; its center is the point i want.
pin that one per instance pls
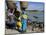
(19, 18)
(10, 14)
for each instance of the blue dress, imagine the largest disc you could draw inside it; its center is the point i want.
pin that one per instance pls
(24, 24)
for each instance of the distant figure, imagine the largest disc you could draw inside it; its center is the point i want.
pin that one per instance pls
(28, 22)
(29, 26)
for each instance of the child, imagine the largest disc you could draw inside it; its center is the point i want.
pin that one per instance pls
(24, 22)
(19, 25)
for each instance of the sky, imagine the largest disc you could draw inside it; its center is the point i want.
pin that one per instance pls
(33, 6)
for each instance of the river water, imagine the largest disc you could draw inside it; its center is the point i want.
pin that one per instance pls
(38, 14)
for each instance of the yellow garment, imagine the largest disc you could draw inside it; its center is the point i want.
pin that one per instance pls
(19, 24)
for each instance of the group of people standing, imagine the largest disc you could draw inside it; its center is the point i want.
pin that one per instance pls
(15, 20)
